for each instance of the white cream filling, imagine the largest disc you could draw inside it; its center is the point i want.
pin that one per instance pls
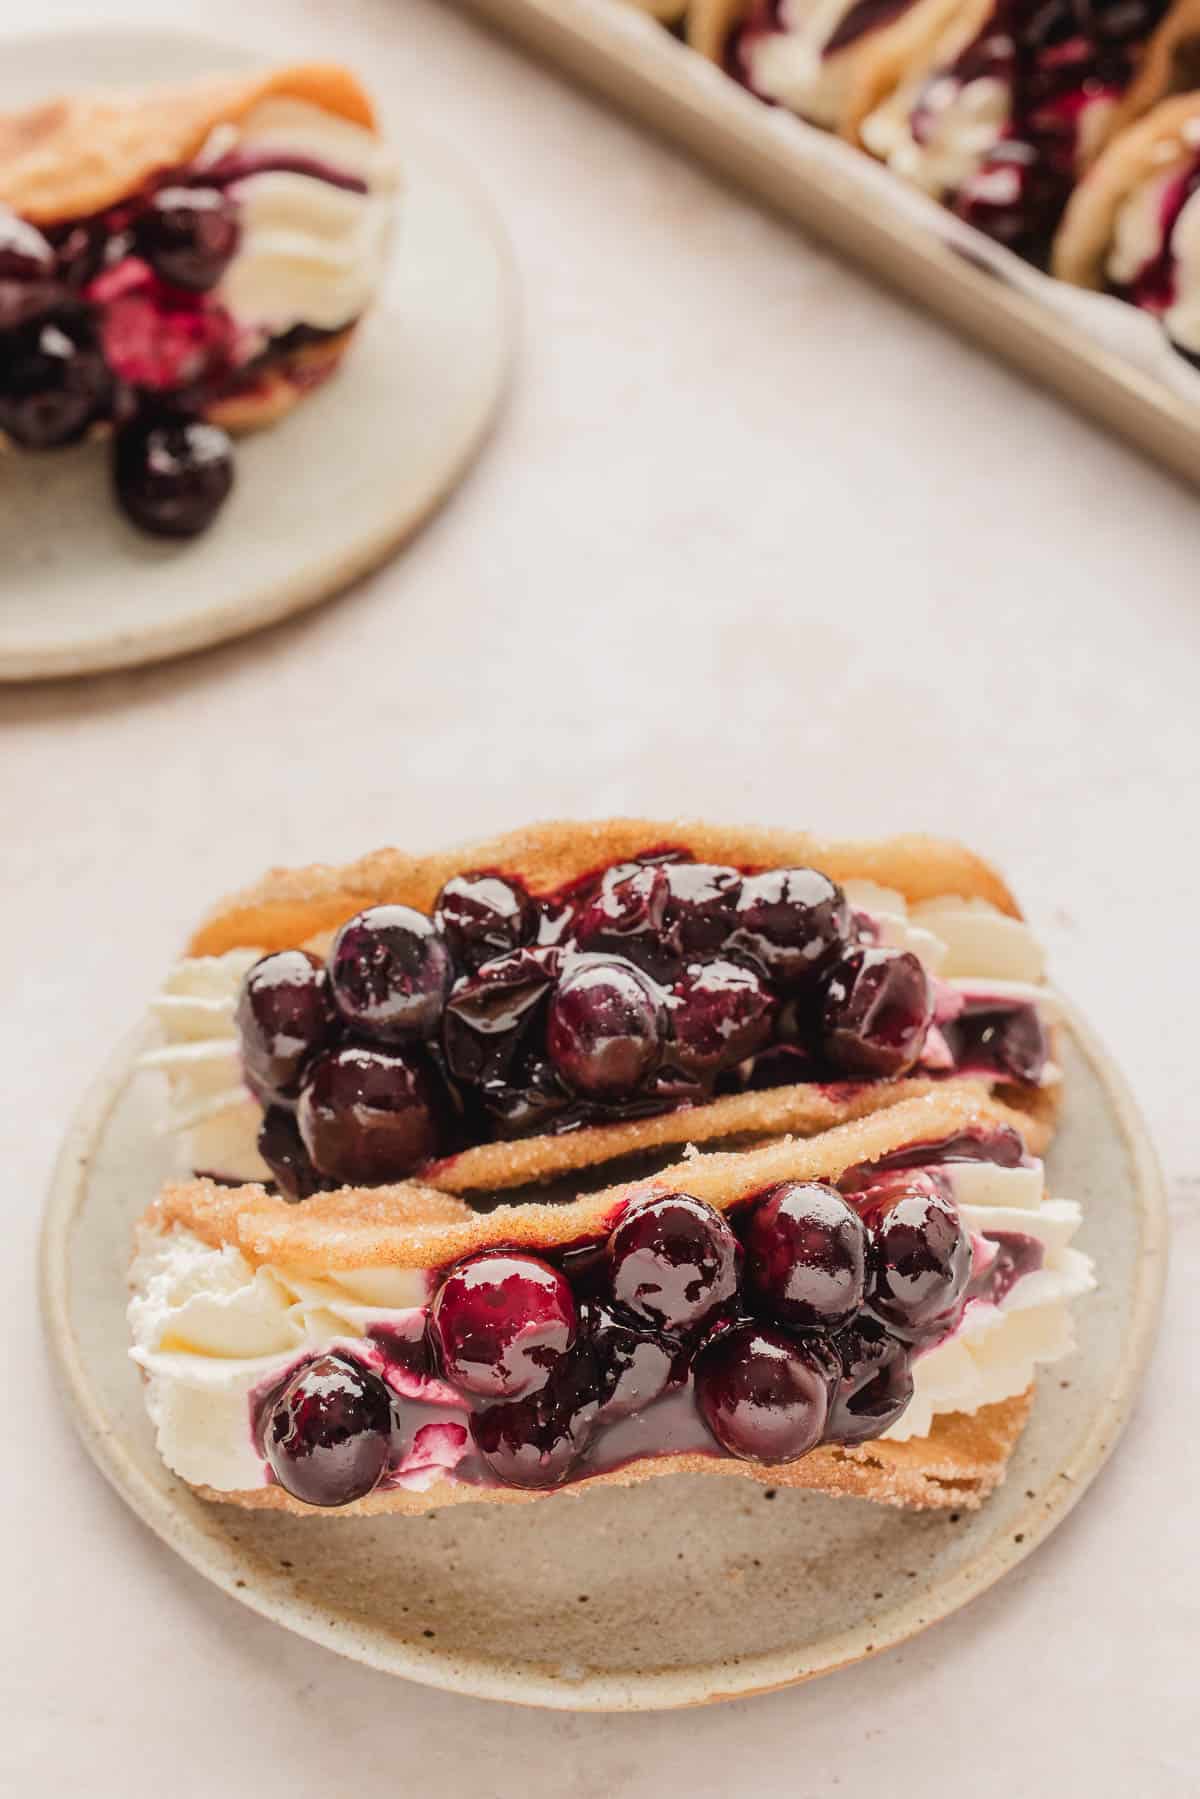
(996, 1350)
(789, 64)
(310, 253)
(209, 1107)
(968, 120)
(967, 942)
(209, 1329)
(1137, 233)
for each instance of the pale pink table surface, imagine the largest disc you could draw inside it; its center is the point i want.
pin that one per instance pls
(754, 541)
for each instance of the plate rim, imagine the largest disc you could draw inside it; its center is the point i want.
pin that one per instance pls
(309, 586)
(189, 1525)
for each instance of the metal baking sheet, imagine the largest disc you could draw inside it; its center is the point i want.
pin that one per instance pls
(1104, 357)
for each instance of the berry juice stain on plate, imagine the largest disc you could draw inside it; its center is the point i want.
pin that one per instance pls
(180, 373)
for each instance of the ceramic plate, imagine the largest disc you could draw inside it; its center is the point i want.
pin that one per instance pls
(589, 1601)
(321, 498)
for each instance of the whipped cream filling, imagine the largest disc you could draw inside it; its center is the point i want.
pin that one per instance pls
(311, 252)
(970, 946)
(211, 1331)
(1142, 220)
(997, 1348)
(961, 123)
(788, 64)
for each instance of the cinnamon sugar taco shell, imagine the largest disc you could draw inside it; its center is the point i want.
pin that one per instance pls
(79, 155)
(841, 72)
(71, 157)
(351, 1243)
(1167, 139)
(926, 893)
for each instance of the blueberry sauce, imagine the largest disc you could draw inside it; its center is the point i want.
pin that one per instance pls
(115, 320)
(792, 1320)
(639, 989)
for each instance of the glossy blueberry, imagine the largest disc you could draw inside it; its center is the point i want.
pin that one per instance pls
(700, 912)
(605, 1028)
(282, 1149)
(366, 1115)
(390, 973)
(876, 1383)
(490, 1015)
(763, 1394)
(877, 1011)
(328, 1434)
(1009, 1041)
(537, 1441)
(792, 920)
(806, 1252)
(188, 235)
(920, 1257)
(721, 1012)
(634, 1364)
(627, 917)
(672, 1261)
(284, 1016)
(53, 380)
(172, 475)
(25, 255)
(501, 1321)
(483, 915)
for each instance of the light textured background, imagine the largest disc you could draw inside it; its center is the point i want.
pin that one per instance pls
(755, 541)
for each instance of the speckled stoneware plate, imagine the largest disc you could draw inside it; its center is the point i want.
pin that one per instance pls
(590, 1602)
(320, 499)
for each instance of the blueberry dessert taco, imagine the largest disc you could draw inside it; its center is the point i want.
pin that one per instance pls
(180, 263)
(573, 994)
(1133, 224)
(827, 63)
(1002, 111)
(861, 1312)
(597, 1151)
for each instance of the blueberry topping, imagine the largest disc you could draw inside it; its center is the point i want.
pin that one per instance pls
(490, 1015)
(627, 917)
(284, 1016)
(366, 1115)
(53, 380)
(920, 1255)
(876, 1383)
(806, 1252)
(188, 235)
(483, 915)
(328, 1434)
(538, 1440)
(390, 973)
(795, 921)
(501, 1321)
(172, 475)
(878, 1008)
(721, 1012)
(673, 1260)
(763, 1394)
(282, 1149)
(700, 911)
(25, 255)
(605, 1028)
(634, 1364)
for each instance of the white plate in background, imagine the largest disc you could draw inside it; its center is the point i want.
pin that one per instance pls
(322, 497)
